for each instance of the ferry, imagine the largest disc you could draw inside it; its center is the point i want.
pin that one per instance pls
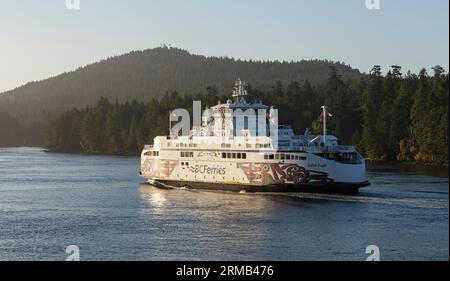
(224, 152)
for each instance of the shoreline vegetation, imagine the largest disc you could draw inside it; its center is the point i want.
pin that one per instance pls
(392, 118)
(413, 164)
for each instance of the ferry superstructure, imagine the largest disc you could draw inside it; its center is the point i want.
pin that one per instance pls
(226, 153)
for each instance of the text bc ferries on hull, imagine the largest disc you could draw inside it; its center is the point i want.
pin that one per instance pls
(239, 146)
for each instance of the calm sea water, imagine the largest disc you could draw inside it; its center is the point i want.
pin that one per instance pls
(99, 203)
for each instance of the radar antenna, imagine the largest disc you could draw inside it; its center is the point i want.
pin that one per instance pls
(325, 113)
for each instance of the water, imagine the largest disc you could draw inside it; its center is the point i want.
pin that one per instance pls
(100, 204)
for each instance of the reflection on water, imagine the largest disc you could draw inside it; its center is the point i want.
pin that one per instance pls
(50, 201)
(156, 198)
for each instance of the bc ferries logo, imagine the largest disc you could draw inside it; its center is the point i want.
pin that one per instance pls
(205, 169)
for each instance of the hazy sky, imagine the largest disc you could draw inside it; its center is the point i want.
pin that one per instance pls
(41, 38)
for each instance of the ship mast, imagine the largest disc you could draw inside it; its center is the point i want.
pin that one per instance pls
(324, 116)
(239, 91)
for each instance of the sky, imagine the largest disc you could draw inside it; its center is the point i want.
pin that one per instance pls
(42, 38)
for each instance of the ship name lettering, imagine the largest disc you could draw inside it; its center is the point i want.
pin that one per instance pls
(205, 169)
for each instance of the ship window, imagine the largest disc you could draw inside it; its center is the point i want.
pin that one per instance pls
(282, 156)
(234, 155)
(187, 154)
(224, 155)
(266, 156)
(302, 158)
(344, 157)
(288, 157)
(271, 156)
(239, 156)
(228, 155)
(244, 155)
(277, 156)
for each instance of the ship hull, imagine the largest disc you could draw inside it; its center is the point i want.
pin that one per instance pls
(331, 187)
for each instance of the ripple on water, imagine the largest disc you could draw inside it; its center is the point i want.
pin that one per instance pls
(49, 201)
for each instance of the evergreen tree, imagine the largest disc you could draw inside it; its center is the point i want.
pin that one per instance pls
(371, 105)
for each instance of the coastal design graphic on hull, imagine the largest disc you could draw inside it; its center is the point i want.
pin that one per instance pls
(153, 168)
(239, 144)
(266, 174)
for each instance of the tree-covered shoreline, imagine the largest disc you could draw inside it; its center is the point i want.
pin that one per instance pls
(391, 117)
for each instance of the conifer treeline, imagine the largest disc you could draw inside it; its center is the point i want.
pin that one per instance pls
(390, 117)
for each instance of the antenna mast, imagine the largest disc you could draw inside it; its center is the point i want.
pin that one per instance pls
(325, 113)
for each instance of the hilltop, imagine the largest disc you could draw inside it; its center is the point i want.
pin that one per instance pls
(142, 75)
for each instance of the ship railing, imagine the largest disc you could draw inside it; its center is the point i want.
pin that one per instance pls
(148, 146)
(318, 148)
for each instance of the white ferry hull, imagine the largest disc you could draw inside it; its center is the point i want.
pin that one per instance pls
(346, 188)
(326, 175)
(240, 146)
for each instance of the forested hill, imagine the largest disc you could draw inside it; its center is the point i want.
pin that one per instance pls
(141, 75)
(389, 117)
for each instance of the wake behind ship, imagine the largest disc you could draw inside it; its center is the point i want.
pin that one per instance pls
(227, 153)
